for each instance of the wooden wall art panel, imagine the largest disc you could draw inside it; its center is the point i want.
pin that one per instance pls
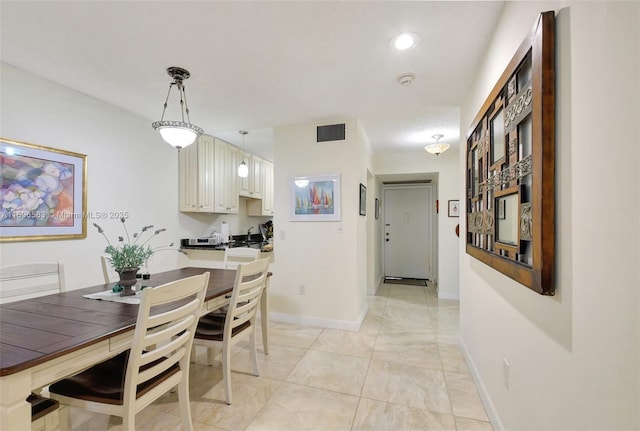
(510, 166)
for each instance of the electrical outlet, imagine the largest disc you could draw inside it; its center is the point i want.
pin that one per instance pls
(301, 289)
(505, 372)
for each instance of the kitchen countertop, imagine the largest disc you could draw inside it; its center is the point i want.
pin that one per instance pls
(260, 245)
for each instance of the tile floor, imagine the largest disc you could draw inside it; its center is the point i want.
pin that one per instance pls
(402, 371)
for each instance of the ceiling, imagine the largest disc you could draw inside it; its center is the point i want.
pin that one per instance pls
(258, 65)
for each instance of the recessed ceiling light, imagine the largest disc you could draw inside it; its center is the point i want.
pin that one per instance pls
(404, 41)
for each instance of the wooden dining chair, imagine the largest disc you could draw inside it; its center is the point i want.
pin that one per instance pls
(26, 281)
(220, 330)
(108, 273)
(124, 385)
(232, 257)
(235, 255)
(44, 413)
(30, 280)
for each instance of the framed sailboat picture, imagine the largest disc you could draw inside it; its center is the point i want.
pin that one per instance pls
(315, 198)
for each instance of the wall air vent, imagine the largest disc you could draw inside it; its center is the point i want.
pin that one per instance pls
(331, 132)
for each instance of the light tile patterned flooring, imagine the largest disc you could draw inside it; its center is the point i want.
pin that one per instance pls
(402, 371)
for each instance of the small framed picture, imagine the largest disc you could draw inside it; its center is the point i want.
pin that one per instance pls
(454, 208)
(363, 200)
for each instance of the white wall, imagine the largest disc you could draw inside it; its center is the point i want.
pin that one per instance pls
(447, 166)
(574, 358)
(129, 169)
(327, 258)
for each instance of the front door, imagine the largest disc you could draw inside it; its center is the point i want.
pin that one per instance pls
(407, 232)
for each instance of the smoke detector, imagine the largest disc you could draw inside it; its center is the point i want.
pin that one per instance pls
(406, 79)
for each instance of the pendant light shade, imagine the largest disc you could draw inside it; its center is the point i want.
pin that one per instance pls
(437, 148)
(243, 169)
(177, 133)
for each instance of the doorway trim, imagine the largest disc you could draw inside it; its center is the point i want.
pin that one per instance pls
(433, 252)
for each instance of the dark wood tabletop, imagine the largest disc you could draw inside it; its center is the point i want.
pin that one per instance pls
(37, 330)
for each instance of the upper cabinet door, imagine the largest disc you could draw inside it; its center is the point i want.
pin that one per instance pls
(255, 175)
(267, 194)
(206, 162)
(188, 179)
(195, 176)
(225, 173)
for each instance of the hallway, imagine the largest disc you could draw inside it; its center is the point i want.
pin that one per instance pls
(401, 371)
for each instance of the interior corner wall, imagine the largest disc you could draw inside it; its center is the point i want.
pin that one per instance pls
(129, 169)
(573, 356)
(319, 273)
(447, 166)
(375, 229)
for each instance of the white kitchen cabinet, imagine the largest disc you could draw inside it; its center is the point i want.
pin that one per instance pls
(264, 206)
(267, 190)
(195, 176)
(225, 194)
(251, 186)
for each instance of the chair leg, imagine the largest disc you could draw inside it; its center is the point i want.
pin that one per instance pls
(193, 354)
(210, 356)
(226, 371)
(129, 421)
(254, 353)
(185, 409)
(63, 418)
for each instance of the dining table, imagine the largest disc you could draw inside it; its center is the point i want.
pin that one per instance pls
(48, 338)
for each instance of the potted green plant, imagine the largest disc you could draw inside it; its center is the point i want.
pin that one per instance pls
(130, 253)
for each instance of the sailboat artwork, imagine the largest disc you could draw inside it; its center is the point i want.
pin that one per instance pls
(315, 198)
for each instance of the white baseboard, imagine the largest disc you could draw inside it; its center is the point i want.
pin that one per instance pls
(374, 290)
(345, 325)
(492, 413)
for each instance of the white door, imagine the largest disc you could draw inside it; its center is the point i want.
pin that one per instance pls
(407, 232)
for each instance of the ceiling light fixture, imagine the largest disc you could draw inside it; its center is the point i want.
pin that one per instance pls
(243, 169)
(437, 148)
(405, 41)
(178, 134)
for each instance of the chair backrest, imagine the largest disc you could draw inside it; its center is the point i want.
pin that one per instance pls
(167, 319)
(109, 274)
(30, 280)
(251, 278)
(235, 255)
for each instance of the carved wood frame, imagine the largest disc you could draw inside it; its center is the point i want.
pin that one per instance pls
(528, 111)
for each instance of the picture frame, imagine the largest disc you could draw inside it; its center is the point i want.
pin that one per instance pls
(314, 198)
(454, 208)
(516, 235)
(377, 208)
(43, 193)
(363, 200)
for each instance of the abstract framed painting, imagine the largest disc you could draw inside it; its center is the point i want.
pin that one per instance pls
(315, 198)
(43, 195)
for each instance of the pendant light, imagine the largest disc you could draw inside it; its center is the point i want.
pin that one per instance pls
(178, 134)
(243, 169)
(437, 148)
